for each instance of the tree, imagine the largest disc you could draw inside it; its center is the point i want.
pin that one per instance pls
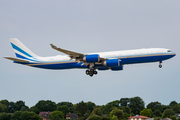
(57, 113)
(176, 108)
(95, 117)
(5, 116)
(34, 109)
(125, 109)
(47, 105)
(117, 112)
(173, 117)
(64, 109)
(10, 105)
(156, 108)
(90, 105)
(19, 104)
(124, 101)
(25, 115)
(24, 108)
(145, 112)
(98, 111)
(3, 108)
(106, 109)
(114, 103)
(114, 117)
(136, 105)
(82, 108)
(168, 113)
(69, 104)
(173, 103)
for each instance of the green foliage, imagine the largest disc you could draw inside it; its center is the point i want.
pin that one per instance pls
(45, 106)
(19, 104)
(168, 113)
(117, 112)
(176, 108)
(81, 118)
(12, 107)
(178, 118)
(98, 111)
(56, 115)
(114, 117)
(69, 104)
(24, 108)
(82, 108)
(173, 103)
(124, 101)
(136, 105)
(106, 109)
(105, 118)
(173, 117)
(24, 115)
(114, 103)
(145, 112)
(95, 117)
(125, 109)
(156, 108)
(126, 115)
(157, 118)
(64, 109)
(90, 105)
(34, 109)
(3, 108)
(5, 116)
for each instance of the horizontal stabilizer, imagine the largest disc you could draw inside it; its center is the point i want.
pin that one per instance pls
(16, 59)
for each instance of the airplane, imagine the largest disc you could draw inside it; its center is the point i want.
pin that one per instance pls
(114, 60)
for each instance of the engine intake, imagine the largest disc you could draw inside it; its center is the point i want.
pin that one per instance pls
(112, 63)
(91, 58)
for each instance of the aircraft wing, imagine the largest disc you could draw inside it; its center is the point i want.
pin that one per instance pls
(16, 59)
(70, 53)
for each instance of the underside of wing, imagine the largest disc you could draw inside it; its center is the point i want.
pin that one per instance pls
(16, 59)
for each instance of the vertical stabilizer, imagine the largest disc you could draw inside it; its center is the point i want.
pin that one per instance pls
(21, 50)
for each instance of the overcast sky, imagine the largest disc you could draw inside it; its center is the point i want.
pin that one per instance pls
(88, 26)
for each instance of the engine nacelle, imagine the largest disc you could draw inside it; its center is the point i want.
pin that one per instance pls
(117, 68)
(91, 58)
(112, 63)
(103, 69)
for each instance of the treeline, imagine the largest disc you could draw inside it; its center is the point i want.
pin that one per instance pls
(118, 109)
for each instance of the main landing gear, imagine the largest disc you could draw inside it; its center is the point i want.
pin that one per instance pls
(91, 72)
(160, 66)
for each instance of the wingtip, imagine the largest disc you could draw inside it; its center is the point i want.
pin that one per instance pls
(53, 46)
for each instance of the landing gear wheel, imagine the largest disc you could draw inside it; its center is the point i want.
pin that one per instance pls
(160, 66)
(91, 74)
(95, 72)
(87, 72)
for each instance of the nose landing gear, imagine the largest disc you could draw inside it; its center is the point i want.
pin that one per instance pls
(91, 72)
(160, 66)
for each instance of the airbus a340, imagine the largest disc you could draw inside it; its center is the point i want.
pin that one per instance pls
(114, 60)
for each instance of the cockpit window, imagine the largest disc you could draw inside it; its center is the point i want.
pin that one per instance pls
(169, 51)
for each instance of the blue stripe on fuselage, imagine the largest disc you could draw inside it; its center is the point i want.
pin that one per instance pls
(131, 60)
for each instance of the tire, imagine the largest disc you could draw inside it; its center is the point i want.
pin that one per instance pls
(91, 74)
(95, 72)
(160, 66)
(87, 72)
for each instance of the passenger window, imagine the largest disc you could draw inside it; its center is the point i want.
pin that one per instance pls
(169, 51)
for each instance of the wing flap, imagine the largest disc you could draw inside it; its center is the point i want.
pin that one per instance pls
(16, 59)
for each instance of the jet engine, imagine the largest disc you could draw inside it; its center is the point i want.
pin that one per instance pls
(112, 63)
(91, 58)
